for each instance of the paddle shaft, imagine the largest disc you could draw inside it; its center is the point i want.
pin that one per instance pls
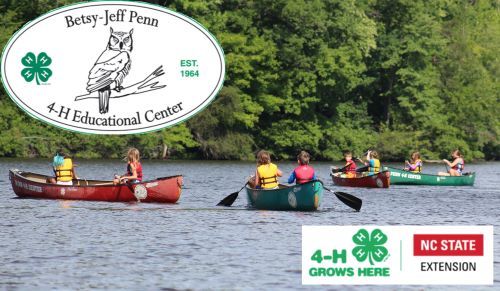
(242, 187)
(229, 199)
(339, 170)
(434, 161)
(362, 169)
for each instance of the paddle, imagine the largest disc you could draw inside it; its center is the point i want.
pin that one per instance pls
(362, 169)
(229, 200)
(434, 161)
(338, 170)
(348, 199)
(342, 169)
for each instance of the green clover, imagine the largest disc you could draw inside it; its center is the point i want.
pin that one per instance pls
(36, 67)
(370, 246)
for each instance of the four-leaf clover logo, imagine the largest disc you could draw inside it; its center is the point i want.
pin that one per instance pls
(370, 246)
(36, 67)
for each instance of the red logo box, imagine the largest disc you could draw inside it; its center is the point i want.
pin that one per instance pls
(448, 245)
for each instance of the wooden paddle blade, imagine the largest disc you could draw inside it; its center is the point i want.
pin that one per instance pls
(229, 200)
(350, 200)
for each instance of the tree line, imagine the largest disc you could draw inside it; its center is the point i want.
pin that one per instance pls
(318, 75)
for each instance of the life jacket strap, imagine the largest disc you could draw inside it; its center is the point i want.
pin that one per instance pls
(59, 175)
(263, 180)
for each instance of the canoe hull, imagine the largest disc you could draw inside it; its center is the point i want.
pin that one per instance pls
(303, 197)
(379, 180)
(400, 177)
(30, 185)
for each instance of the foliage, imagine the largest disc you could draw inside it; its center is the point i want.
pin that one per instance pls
(320, 75)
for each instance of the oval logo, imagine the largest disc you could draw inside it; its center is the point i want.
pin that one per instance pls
(112, 67)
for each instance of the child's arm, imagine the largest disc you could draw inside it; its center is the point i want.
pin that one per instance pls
(133, 176)
(448, 163)
(74, 174)
(412, 167)
(455, 162)
(257, 179)
(344, 169)
(279, 173)
(292, 177)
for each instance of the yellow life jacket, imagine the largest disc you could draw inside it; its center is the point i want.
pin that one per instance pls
(376, 166)
(64, 173)
(268, 175)
(419, 164)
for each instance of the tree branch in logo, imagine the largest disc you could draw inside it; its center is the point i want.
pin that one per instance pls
(370, 246)
(36, 67)
(146, 85)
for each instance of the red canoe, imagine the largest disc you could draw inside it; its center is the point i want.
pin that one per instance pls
(380, 180)
(160, 190)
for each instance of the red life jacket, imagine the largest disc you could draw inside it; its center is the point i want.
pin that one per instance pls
(350, 167)
(138, 169)
(304, 174)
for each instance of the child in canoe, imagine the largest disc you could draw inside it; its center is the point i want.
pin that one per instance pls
(303, 173)
(373, 162)
(349, 169)
(415, 164)
(63, 169)
(134, 169)
(456, 167)
(267, 173)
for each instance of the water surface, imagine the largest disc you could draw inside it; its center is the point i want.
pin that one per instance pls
(194, 244)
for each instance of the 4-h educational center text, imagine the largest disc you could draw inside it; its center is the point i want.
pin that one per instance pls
(397, 255)
(84, 117)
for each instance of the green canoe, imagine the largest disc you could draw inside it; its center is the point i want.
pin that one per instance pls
(401, 177)
(303, 197)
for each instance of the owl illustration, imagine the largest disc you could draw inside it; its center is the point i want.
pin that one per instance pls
(111, 68)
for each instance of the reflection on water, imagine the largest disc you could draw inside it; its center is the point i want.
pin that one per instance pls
(194, 244)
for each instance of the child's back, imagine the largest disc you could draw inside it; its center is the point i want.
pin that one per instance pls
(304, 172)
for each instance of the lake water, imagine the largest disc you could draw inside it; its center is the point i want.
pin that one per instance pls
(193, 244)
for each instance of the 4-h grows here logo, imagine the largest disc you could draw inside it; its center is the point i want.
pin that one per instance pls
(370, 246)
(36, 67)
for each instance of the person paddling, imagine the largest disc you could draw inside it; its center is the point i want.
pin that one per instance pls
(456, 167)
(134, 169)
(415, 164)
(349, 169)
(373, 162)
(63, 169)
(304, 172)
(267, 173)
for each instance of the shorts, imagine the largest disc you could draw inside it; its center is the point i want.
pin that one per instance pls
(69, 183)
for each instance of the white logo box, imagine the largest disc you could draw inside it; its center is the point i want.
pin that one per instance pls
(442, 257)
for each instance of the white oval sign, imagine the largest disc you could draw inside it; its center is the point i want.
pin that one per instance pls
(113, 67)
